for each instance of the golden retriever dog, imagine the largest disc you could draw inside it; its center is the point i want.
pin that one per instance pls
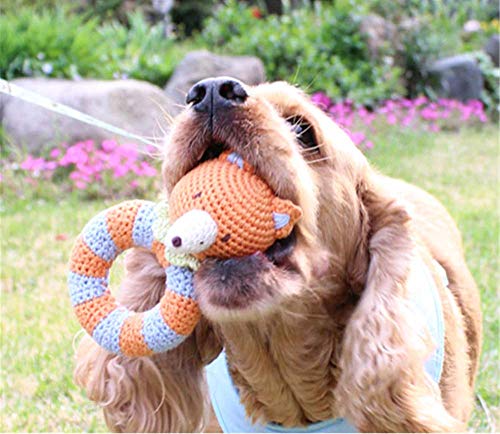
(323, 324)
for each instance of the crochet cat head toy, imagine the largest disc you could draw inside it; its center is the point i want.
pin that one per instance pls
(219, 209)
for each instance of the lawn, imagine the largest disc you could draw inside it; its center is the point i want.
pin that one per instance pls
(38, 326)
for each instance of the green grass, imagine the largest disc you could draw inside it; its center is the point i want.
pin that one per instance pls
(38, 326)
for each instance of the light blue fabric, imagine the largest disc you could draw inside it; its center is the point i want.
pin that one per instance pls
(235, 158)
(97, 237)
(84, 288)
(142, 232)
(107, 332)
(280, 220)
(231, 413)
(158, 335)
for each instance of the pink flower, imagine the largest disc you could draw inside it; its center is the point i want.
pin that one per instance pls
(420, 101)
(33, 164)
(81, 185)
(74, 154)
(147, 170)
(55, 153)
(120, 171)
(109, 145)
(391, 119)
(357, 137)
(321, 100)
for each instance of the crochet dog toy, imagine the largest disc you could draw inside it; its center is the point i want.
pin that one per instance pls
(219, 209)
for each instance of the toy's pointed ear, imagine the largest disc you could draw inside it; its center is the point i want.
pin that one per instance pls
(285, 215)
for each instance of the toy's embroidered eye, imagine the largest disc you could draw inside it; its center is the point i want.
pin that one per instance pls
(303, 131)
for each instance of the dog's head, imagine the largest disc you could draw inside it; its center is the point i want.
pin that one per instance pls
(304, 157)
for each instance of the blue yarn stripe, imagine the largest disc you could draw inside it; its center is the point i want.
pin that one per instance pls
(180, 280)
(83, 288)
(159, 336)
(97, 237)
(107, 332)
(142, 232)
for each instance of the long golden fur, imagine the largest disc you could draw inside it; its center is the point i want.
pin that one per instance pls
(330, 334)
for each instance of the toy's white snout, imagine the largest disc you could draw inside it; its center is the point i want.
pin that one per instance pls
(192, 232)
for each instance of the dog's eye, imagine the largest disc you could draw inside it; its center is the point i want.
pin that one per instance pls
(303, 131)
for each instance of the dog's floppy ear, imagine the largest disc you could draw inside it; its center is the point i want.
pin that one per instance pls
(383, 385)
(163, 393)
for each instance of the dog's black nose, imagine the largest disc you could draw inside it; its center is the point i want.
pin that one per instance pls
(212, 94)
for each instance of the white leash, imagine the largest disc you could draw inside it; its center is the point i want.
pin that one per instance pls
(46, 103)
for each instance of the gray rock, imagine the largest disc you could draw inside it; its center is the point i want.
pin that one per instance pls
(137, 107)
(492, 48)
(381, 35)
(198, 65)
(457, 77)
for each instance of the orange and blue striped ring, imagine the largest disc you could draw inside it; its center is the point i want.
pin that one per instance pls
(113, 326)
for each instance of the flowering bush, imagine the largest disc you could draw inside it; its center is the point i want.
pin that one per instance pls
(420, 113)
(106, 170)
(113, 170)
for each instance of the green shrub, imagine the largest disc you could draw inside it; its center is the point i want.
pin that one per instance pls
(491, 74)
(50, 43)
(54, 43)
(423, 40)
(430, 29)
(188, 15)
(142, 51)
(456, 11)
(320, 49)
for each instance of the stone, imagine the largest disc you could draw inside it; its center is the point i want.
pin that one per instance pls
(492, 48)
(198, 65)
(135, 106)
(380, 34)
(457, 77)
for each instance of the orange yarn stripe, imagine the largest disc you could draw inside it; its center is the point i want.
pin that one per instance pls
(120, 220)
(159, 250)
(91, 312)
(180, 313)
(131, 339)
(84, 261)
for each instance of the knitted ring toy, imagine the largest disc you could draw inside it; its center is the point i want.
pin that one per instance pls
(219, 209)
(114, 327)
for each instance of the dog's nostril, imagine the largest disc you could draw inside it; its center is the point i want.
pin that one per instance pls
(213, 94)
(177, 241)
(196, 94)
(232, 90)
